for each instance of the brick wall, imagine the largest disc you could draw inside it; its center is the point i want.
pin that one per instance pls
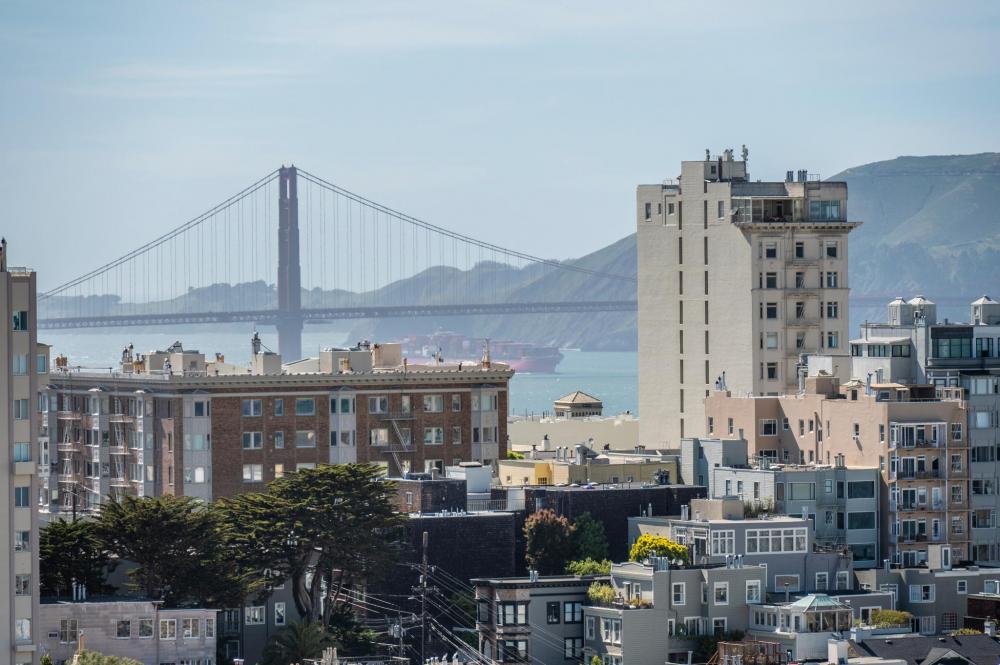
(430, 496)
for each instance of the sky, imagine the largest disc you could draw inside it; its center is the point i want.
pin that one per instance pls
(524, 124)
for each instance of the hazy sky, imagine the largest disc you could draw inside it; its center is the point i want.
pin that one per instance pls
(525, 124)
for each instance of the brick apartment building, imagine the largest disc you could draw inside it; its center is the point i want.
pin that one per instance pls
(172, 422)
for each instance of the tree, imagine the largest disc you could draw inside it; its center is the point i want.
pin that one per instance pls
(589, 567)
(178, 547)
(95, 658)
(322, 528)
(296, 642)
(513, 454)
(600, 593)
(68, 552)
(591, 541)
(46, 659)
(549, 542)
(648, 545)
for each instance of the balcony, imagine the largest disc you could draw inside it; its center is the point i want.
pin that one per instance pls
(393, 415)
(118, 450)
(802, 322)
(120, 418)
(918, 475)
(68, 446)
(68, 415)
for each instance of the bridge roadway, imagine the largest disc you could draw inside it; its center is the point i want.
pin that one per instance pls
(271, 316)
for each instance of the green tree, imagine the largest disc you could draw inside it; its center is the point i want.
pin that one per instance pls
(600, 593)
(323, 529)
(591, 541)
(549, 542)
(589, 567)
(513, 454)
(178, 547)
(349, 634)
(46, 660)
(68, 552)
(95, 658)
(296, 642)
(648, 545)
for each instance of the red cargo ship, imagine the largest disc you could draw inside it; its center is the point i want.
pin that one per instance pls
(453, 347)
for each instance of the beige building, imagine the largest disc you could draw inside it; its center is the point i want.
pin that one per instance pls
(737, 279)
(914, 434)
(19, 367)
(577, 404)
(600, 470)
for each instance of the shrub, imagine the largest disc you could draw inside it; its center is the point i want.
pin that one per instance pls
(601, 593)
(890, 619)
(647, 545)
(966, 631)
(513, 454)
(588, 567)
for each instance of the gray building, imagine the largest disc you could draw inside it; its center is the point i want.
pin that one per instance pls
(842, 503)
(700, 456)
(936, 595)
(532, 619)
(245, 631)
(912, 347)
(137, 629)
(659, 610)
(785, 545)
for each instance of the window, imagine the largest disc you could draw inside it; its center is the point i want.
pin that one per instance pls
(20, 364)
(801, 491)
(843, 580)
(305, 406)
(572, 648)
(20, 320)
(822, 581)
(433, 403)
(513, 614)
(305, 438)
(433, 435)
(279, 439)
(648, 211)
(68, 632)
(22, 585)
(832, 309)
(921, 593)
(253, 473)
(209, 627)
(22, 498)
(513, 650)
(190, 628)
(611, 631)
(723, 542)
(378, 436)
(770, 250)
(22, 452)
(279, 406)
(378, 404)
(771, 309)
(772, 340)
(22, 541)
(825, 211)
(253, 440)
(860, 521)
(722, 209)
(677, 591)
(771, 280)
(860, 489)
(772, 371)
(552, 612)
(832, 339)
(279, 614)
(776, 540)
(168, 629)
(768, 427)
(832, 280)
(591, 629)
(572, 612)
(962, 586)
(753, 592)
(21, 409)
(251, 407)
(721, 593)
(255, 615)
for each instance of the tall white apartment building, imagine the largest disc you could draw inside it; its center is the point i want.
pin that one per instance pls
(736, 279)
(19, 429)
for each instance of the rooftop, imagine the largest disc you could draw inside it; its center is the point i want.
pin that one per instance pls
(917, 649)
(578, 397)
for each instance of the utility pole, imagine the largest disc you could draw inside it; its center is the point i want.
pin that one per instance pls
(423, 598)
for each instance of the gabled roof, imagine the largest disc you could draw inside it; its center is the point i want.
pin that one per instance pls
(578, 397)
(985, 300)
(944, 656)
(918, 649)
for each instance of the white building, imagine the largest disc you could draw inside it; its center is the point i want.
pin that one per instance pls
(736, 279)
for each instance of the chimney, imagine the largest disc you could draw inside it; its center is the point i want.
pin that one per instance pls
(789, 176)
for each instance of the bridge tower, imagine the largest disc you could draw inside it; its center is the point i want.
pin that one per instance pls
(289, 269)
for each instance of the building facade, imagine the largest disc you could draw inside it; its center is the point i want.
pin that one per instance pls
(19, 377)
(531, 619)
(912, 347)
(914, 435)
(137, 629)
(173, 422)
(736, 279)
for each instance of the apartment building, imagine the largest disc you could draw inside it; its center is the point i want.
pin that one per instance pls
(841, 503)
(689, 601)
(737, 280)
(784, 545)
(174, 422)
(534, 619)
(914, 434)
(937, 593)
(913, 347)
(19, 376)
(129, 628)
